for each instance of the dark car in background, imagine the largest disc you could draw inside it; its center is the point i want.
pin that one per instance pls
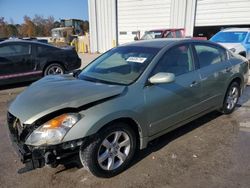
(3, 39)
(22, 60)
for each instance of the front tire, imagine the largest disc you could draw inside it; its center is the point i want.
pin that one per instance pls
(111, 150)
(231, 98)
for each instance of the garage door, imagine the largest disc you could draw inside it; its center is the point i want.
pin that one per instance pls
(222, 12)
(141, 15)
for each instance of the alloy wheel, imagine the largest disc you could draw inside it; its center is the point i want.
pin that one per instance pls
(114, 150)
(232, 97)
(53, 70)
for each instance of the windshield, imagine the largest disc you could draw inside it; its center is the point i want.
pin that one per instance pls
(122, 65)
(56, 34)
(151, 35)
(229, 37)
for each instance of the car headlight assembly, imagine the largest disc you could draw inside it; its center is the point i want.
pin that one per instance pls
(53, 131)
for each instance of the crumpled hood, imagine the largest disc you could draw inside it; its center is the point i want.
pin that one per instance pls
(53, 93)
(237, 46)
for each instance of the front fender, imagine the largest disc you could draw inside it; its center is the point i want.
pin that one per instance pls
(91, 123)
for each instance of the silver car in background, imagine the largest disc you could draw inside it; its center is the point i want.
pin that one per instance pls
(235, 39)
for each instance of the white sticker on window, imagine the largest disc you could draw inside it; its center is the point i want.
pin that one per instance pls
(137, 59)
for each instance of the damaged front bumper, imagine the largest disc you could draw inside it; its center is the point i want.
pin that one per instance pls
(37, 157)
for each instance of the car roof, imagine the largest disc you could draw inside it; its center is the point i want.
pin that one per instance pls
(169, 29)
(9, 41)
(164, 42)
(235, 29)
(154, 43)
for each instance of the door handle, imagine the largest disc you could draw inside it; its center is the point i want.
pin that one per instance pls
(228, 69)
(193, 84)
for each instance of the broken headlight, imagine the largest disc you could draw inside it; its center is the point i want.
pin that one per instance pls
(53, 131)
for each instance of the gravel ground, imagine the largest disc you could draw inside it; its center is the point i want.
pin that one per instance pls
(87, 58)
(212, 151)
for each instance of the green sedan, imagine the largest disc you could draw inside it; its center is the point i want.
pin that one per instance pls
(125, 98)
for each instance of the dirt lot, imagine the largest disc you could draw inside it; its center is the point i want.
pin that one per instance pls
(213, 151)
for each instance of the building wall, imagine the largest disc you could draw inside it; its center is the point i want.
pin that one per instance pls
(92, 26)
(222, 12)
(183, 15)
(144, 15)
(119, 21)
(141, 15)
(190, 17)
(102, 25)
(178, 12)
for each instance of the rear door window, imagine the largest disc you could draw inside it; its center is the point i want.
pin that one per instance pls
(209, 55)
(43, 50)
(15, 49)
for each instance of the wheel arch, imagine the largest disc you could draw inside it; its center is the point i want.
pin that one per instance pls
(53, 62)
(227, 110)
(238, 79)
(132, 124)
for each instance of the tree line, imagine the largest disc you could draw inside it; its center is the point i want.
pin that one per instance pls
(32, 27)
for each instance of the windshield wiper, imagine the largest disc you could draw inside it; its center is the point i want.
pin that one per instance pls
(100, 81)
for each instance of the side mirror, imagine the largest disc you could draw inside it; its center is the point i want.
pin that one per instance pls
(76, 72)
(161, 78)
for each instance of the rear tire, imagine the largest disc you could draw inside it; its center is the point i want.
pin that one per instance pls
(110, 152)
(54, 69)
(231, 98)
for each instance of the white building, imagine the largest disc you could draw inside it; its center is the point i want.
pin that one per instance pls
(115, 22)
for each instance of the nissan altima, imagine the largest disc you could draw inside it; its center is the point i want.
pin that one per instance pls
(125, 98)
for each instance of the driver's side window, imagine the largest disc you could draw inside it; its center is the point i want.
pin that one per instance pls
(14, 49)
(178, 60)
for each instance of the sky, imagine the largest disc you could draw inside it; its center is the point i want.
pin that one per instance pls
(59, 9)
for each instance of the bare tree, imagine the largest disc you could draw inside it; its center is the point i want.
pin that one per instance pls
(49, 25)
(28, 28)
(38, 26)
(3, 28)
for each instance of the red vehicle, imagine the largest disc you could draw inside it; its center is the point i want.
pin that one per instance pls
(167, 33)
(163, 33)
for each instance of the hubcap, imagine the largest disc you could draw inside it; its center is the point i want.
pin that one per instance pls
(232, 98)
(55, 70)
(114, 150)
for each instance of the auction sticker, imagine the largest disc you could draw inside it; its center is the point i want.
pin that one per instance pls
(137, 59)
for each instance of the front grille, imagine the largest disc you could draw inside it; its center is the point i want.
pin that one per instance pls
(10, 118)
(11, 124)
(18, 133)
(17, 130)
